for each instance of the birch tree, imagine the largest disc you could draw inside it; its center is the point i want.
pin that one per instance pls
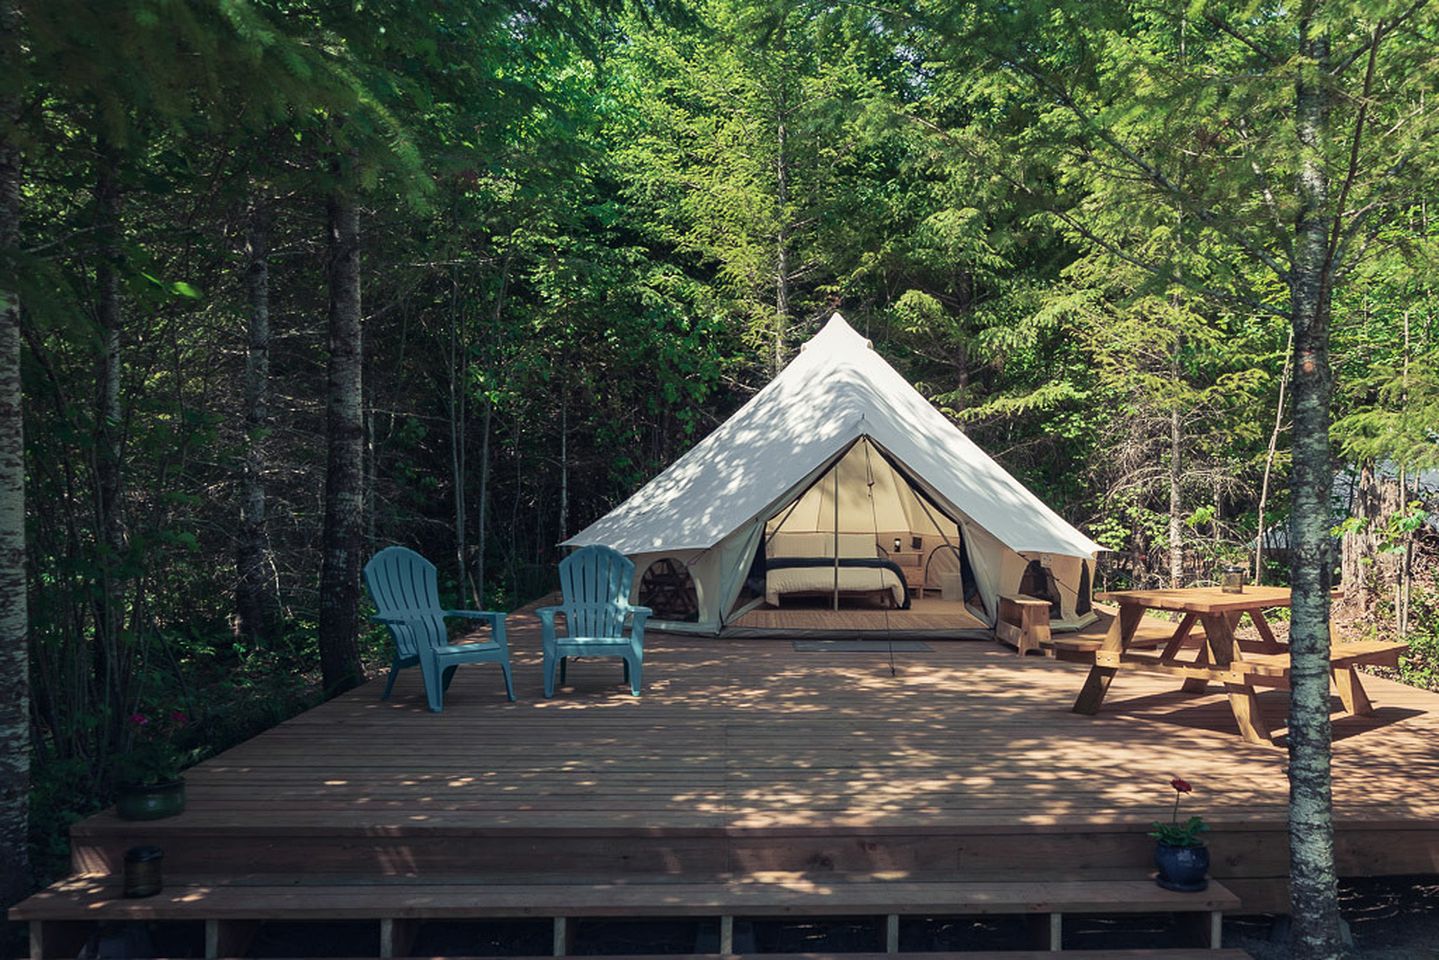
(14, 619)
(1274, 144)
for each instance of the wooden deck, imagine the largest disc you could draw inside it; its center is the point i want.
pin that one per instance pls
(745, 757)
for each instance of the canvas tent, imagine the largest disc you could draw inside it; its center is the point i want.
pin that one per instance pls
(840, 444)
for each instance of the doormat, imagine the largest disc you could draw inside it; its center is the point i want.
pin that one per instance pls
(860, 646)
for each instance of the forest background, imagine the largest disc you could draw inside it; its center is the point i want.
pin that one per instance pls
(512, 260)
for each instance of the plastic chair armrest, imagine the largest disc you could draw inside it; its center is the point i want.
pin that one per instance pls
(495, 618)
(490, 615)
(409, 616)
(547, 623)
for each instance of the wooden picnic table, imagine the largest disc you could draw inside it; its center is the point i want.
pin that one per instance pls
(1240, 665)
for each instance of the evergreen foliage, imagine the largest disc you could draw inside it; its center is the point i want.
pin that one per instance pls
(589, 232)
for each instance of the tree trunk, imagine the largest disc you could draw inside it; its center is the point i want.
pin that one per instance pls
(109, 522)
(564, 467)
(344, 507)
(781, 272)
(1406, 563)
(1405, 574)
(482, 540)
(1269, 457)
(14, 623)
(1367, 573)
(482, 533)
(255, 601)
(1215, 527)
(1313, 888)
(459, 385)
(1176, 522)
(370, 471)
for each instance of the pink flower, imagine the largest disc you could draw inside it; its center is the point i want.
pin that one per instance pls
(178, 717)
(139, 719)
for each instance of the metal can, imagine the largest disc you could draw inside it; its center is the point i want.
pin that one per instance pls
(143, 876)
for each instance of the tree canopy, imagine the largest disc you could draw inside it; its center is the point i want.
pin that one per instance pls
(1095, 234)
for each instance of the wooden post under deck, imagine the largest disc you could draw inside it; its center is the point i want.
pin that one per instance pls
(564, 936)
(228, 938)
(58, 938)
(396, 937)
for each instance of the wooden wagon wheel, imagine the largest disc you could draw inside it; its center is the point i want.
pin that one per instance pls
(668, 589)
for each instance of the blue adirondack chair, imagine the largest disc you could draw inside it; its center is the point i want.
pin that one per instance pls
(406, 593)
(596, 583)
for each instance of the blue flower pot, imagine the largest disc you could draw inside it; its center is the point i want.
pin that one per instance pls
(1181, 868)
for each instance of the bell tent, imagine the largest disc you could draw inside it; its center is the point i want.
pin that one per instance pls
(839, 484)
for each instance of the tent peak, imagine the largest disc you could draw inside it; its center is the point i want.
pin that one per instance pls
(837, 332)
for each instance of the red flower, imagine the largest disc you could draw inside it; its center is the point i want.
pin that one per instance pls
(178, 717)
(139, 719)
(1181, 785)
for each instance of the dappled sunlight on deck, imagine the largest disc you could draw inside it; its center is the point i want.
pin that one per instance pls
(748, 758)
(755, 735)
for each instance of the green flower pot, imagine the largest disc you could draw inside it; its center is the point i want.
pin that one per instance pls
(151, 801)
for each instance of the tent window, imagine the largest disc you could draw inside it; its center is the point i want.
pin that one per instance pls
(668, 589)
(1083, 602)
(1038, 582)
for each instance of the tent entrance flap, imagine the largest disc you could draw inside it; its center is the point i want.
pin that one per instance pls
(865, 521)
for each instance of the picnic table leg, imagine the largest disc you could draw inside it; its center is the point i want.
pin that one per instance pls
(1201, 659)
(1243, 701)
(1176, 640)
(1245, 704)
(1266, 633)
(1351, 692)
(1204, 658)
(1096, 685)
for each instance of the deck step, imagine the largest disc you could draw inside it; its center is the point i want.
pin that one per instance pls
(231, 909)
(271, 899)
(1156, 953)
(64, 916)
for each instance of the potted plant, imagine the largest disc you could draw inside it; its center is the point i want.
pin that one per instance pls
(149, 786)
(1182, 858)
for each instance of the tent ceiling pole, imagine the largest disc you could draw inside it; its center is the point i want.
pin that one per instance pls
(836, 535)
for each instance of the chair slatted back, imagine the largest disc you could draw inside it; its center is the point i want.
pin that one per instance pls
(596, 582)
(403, 582)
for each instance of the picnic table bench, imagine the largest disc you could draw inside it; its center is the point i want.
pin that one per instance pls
(1024, 624)
(1219, 657)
